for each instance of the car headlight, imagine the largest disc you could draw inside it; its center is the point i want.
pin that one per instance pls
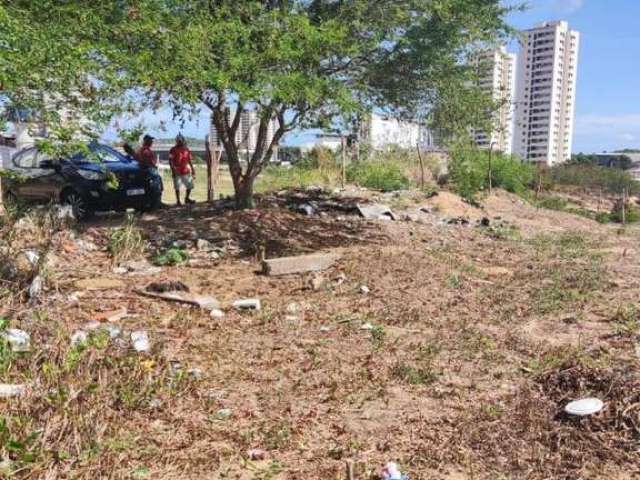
(91, 174)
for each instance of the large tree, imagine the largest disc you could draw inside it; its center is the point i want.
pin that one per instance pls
(303, 63)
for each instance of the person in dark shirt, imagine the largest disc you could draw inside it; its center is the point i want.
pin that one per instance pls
(144, 156)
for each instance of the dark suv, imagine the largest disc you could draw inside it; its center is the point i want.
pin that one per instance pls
(102, 180)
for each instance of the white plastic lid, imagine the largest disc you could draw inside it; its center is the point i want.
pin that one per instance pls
(583, 407)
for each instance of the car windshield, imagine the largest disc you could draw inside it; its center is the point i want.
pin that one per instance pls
(101, 154)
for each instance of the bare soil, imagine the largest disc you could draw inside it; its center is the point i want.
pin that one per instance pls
(473, 342)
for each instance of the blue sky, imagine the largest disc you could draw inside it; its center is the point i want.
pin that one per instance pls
(608, 98)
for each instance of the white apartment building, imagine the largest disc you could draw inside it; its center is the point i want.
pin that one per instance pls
(247, 134)
(382, 131)
(546, 93)
(497, 78)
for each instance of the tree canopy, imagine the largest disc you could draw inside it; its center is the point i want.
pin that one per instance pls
(304, 63)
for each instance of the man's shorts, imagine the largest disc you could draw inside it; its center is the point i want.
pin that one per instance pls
(184, 180)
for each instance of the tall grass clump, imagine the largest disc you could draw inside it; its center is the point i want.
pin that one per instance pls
(378, 174)
(126, 242)
(319, 168)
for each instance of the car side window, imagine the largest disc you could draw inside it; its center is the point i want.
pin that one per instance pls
(26, 159)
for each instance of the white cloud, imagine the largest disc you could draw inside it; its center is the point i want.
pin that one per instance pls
(595, 132)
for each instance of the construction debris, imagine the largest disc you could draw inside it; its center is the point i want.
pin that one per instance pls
(376, 211)
(584, 407)
(247, 304)
(167, 291)
(300, 264)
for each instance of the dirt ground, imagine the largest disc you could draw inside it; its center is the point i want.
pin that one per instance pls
(456, 361)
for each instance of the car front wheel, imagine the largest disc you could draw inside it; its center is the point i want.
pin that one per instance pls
(78, 204)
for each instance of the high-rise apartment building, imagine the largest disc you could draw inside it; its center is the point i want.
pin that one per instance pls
(546, 93)
(497, 78)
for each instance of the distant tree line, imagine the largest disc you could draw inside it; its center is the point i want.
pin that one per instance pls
(614, 160)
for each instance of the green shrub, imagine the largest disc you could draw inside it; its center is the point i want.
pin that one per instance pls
(469, 172)
(386, 176)
(631, 214)
(173, 256)
(552, 202)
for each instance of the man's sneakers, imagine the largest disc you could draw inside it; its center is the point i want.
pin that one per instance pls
(189, 201)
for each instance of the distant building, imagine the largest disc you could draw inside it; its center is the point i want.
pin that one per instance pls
(497, 79)
(247, 134)
(613, 160)
(546, 93)
(322, 140)
(382, 132)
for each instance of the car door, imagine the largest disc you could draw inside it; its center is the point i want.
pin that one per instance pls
(47, 180)
(23, 164)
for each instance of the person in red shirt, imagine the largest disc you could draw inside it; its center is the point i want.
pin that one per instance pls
(144, 156)
(180, 159)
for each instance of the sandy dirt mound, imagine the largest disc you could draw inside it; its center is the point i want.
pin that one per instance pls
(532, 220)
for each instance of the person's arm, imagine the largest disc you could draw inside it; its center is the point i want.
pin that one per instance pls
(193, 170)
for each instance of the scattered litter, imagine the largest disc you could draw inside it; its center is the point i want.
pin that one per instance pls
(364, 289)
(79, 337)
(140, 341)
(35, 289)
(32, 256)
(155, 403)
(307, 209)
(19, 340)
(8, 390)
(293, 308)
(216, 394)
(325, 329)
(196, 373)
(584, 407)
(340, 279)
(223, 413)
(256, 454)
(112, 316)
(170, 286)
(376, 211)
(367, 326)
(300, 264)
(247, 304)
(216, 313)
(114, 330)
(392, 472)
(99, 284)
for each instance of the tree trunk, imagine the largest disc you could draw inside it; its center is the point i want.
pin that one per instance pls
(244, 194)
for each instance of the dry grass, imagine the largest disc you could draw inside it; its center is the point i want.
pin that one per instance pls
(463, 375)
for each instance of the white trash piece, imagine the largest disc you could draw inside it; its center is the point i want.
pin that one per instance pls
(114, 330)
(140, 341)
(367, 326)
(19, 340)
(35, 289)
(392, 472)
(247, 304)
(584, 407)
(8, 390)
(216, 313)
(79, 337)
(364, 289)
(32, 256)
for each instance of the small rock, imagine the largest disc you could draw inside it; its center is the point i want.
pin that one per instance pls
(216, 313)
(367, 326)
(364, 289)
(247, 304)
(293, 308)
(203, 245)
(86, 246)
(19, 340)
(114, 330)
(32, 256)
(140, 341)
(35, 289)
(307, 209)
(120, 271)
(9, 390)
(325, 329)
(155, 403)
(316, 282)
(79, 337)
(256, 454)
